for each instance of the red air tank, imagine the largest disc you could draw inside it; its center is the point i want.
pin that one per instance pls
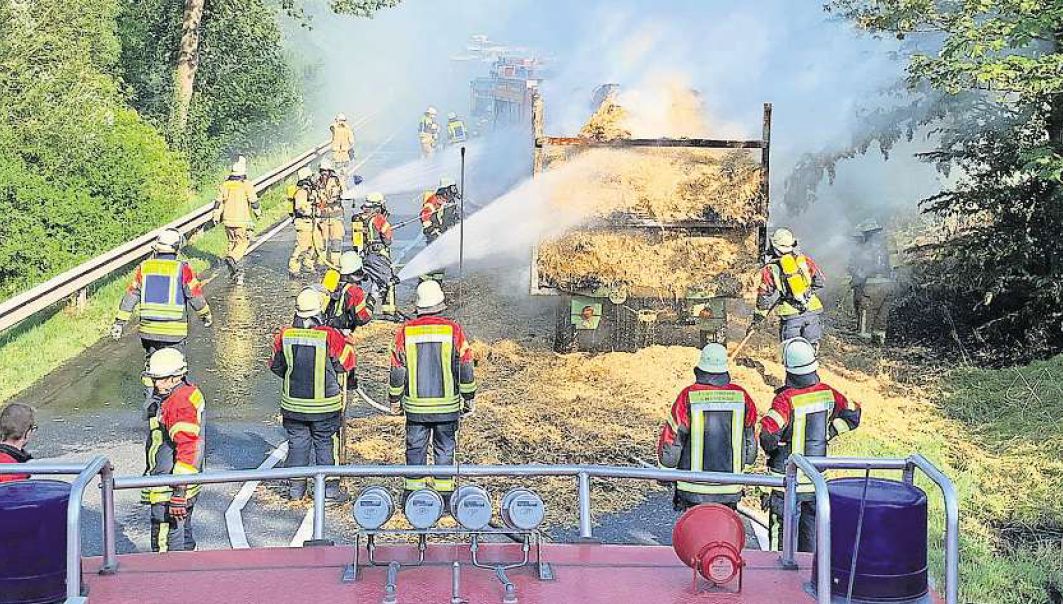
(709, 538)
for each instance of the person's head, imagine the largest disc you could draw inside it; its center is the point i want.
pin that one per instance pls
(452, 116)
(430, 299)
(325, 166)
(167, 368)
(239, 168)
(351, 264)
(374, 202)
(169, 241)
(447, 186)
(783, 241)
(430, 112)
(799, 357)
(341, 118)
(587, 313)
(304, 174)
(17, 424)
(308, 304)
(713, 359)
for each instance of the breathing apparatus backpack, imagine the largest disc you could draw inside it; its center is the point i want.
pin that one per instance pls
(796, 283)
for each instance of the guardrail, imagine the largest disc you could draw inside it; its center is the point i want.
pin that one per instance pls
(811, 466)
(75, 282)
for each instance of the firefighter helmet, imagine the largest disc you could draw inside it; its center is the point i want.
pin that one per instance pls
(783, 240)
(326, 164)
(375, 197)
(308, 303)
(713, 359)
(164, 363)
(304, 173)
(430, 111)
(341, 117)
(452, 116)
(869, 226)
(446, 181)
(169, 241)
(240, 167)
(799, 356)
(350, 263)
(430, 297)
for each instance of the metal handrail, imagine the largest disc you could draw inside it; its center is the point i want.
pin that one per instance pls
(18, 308)
(812, 467)
(84, 475)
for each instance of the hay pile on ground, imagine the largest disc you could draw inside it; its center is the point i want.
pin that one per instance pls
(607, 123)
(664, 263)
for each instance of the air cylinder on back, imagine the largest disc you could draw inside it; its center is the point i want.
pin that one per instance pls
(33, 534)
(891, 562)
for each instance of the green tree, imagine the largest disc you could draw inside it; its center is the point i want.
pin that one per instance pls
(992, 92)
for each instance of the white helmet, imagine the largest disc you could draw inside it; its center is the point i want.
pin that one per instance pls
(304, 173)
(168, 362)
(341, 117)
(446, 181)
(799, 356)
(375, 197)
(783, 240)
(430, 111)
(240, 167)
(452, 116)
(350, 263)
(308, 303)
(430, 297)
(169, 241)
(326, 164)
(713, 359)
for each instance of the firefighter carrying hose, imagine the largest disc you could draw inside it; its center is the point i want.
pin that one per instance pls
(348, 305)
(455, 129)
(341, 143)
(174, 446)
(373, 235)
(235, 208)
(329, 188)
(788, 284)
(428, 132)
(163, 286)
(312, 358)
(307, 238)
(710, 429)
(805, 416)
(438, 214)
(433, 382)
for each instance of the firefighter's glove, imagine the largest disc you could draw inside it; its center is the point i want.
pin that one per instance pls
(208, 320)
(257, 212)
(352, 382)
(177, 508)
(116, 330)
(468, 407)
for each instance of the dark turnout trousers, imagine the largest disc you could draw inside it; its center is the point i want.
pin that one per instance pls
(169, 535)
(443, 438)
(320, 433)
(806, 523)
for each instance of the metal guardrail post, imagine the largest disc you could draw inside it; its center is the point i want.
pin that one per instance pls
(73, 525)
(952, 526)
(319, 506)
(819, 486)
(789, 519)
(585, 528)
(110, 547)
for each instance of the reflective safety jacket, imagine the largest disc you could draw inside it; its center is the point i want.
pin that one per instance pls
(804, 420)
(175, 442)
(342, 137)
(431, 369)
(793, 280)
(456, 131)
(329, 189)
(432, 212)
(9, 454)
(235, 202)
(310, 358)
(348, 307)
(427, 125)
(162, 286)
(710, 429)
(302, 204)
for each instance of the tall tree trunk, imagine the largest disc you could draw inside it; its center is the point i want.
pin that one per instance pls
(187, 62)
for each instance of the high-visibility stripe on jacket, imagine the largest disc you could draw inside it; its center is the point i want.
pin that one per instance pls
(161, 287)
(236, 199)
(379, 231)
(309, 360)
(427, 125)
(349, 308)
(431, 368)
(456, 130)
(804, 420)
(175, 443)
(792, 277)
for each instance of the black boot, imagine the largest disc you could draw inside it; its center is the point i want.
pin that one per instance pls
(231, 263)
(296, 489)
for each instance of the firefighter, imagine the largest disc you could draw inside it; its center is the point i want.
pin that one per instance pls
(377, 239)
(312, 359)
(163, 286)
(455, 129)
(873, 282)
(235, 208)
(428, 132)
(371, 232)
(17, 425)
(788, 285)
(329, 188)
(432, 381)
(348, 305)
(174, 446)
(805, 416)
(342, 142)
(710, 429)
(307, 238)
(438, 213)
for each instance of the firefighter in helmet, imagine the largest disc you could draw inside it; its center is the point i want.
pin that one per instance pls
(341, 143)
(455, 129)
(789, 283)
(710, 429)
(428, 132)
(376, 238)
(329, 189)
(236, 208)
(307, 237)
(873, 281)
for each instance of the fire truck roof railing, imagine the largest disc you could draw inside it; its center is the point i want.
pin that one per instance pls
(812, 467)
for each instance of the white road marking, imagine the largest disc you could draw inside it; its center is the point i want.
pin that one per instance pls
(306, 530)
(234, 520)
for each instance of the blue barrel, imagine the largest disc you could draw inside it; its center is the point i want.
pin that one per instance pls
(891, 565)
(33, 534)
